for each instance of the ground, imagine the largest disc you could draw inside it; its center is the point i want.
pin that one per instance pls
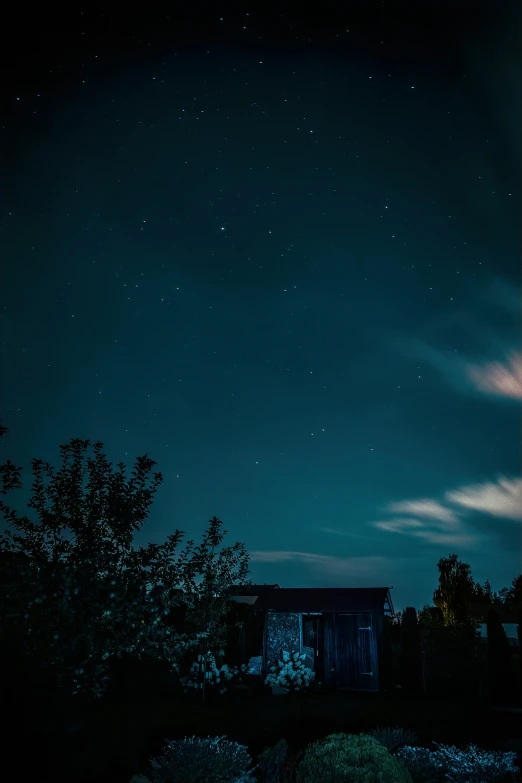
(118, 739)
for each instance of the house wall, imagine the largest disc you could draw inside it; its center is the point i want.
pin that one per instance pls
(511, 630)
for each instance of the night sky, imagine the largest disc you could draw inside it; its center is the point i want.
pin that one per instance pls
(281, 255)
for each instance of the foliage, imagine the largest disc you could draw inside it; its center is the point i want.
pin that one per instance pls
(455, 591)
(349, 758)
(79, 592)
(509, 598)
(204, 671)
(514, 594)
(292, 674)
(423, 766)
(272, 760)
(430, 617)
(448, 763)
(202, 760)
(394, 737)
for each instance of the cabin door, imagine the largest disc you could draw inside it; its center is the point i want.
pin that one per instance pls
(357, 652)
(312, 647)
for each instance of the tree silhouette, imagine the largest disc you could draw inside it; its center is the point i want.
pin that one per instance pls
(455, 591)
(76, 589)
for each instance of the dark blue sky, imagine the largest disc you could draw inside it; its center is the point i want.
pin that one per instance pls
(280, 255)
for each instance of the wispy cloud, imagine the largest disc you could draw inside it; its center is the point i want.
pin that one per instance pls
(347, 566)
(420, 528)
(448, 539)
(437, 523)
(502, 498)
(502, 379)
(404, 525)
(477, 349)
(334, 531)
(430, 509)
(496, 377)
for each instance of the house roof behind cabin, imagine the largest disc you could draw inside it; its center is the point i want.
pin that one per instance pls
(253, 589)
(325, 599)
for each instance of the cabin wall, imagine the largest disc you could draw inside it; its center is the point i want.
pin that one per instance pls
(355, 649)
(283, 632)
(330, 649)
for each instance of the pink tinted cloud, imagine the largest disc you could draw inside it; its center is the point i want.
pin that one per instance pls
(502, 379)
(502, 498)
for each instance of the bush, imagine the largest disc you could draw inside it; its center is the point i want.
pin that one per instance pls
(292, 674)
(202, 760)
(206, 665)
(393, 738)
(350, 758)
(452, 765)
(422, 765)
(271, 762)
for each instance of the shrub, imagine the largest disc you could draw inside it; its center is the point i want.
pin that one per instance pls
(422, 765)
(448, 763)
(202, 760)
(292, 674)
(272, 760)
(350, 758)
(393, 738)
(206, 665)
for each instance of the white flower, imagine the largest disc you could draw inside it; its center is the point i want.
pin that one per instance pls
(292, 672)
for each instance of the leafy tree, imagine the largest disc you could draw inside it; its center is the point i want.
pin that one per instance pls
(455, 591)
(509, 598)
(514, 594)
(484, 592)
(430, 617)
(78, 592)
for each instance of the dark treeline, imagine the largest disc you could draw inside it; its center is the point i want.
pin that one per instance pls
(440, 648)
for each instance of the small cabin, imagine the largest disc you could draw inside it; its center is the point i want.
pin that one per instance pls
(342, 631)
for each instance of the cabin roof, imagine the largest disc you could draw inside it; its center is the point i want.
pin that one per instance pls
(322, 599)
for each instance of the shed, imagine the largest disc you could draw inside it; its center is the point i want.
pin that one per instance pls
(341, 630)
